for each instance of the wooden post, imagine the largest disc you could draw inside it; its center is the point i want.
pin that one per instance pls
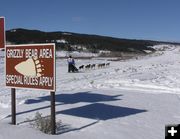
(53, 114)
(13, 105)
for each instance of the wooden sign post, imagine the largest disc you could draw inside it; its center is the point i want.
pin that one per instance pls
(31, 66)
(2, 32)
(53, 114)
(13, 105)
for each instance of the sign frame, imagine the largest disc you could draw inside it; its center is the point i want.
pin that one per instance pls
(54, 66)
(3, 18)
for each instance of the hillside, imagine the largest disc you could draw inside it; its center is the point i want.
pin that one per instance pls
(69, 41)
(81, 42)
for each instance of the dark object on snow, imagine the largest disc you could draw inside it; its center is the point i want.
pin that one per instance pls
(107, 64)
(88, 66)
(81, 67)
(93, 66)
(74, 69)
(71, 65)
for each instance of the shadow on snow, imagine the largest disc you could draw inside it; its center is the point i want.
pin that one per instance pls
(96, 110)
(99, 111)
(76, 98)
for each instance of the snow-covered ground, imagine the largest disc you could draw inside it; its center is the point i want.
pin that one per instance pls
(132, 99)
(76, 54)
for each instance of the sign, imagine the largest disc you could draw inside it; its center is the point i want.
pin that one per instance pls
(31, 66)
(2, 32)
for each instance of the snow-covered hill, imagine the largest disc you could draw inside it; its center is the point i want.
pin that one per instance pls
(130, 99)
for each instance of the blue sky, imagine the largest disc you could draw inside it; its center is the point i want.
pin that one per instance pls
(135, 19)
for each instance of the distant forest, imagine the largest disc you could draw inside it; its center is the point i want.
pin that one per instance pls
(74, 41)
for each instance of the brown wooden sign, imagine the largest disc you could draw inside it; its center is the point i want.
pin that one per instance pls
(31, 66)
(2, 32)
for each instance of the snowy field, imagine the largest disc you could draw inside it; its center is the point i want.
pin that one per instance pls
(131, 99)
